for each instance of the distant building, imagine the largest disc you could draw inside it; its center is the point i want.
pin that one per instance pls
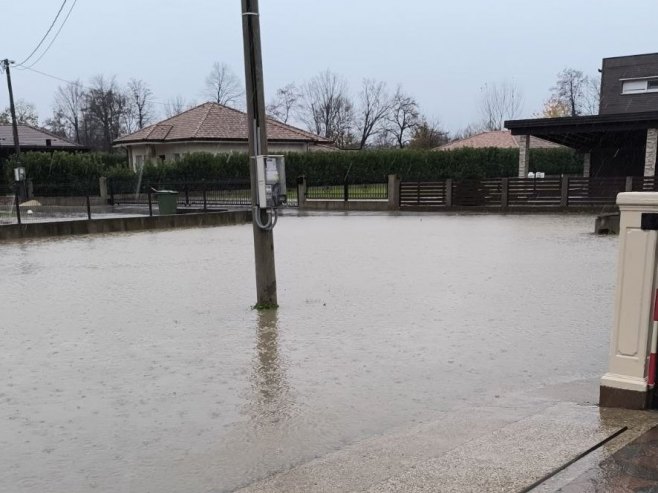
(499, 139)
(213, 128)
(622, 140)
(33, 139)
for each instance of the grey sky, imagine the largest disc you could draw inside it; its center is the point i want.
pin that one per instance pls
(441, 52)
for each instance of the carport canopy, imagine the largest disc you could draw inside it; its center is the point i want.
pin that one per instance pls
(612, 145)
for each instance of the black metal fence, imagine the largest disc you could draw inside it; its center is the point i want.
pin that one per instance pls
(47, 203)
(348, 191)
(191, 194)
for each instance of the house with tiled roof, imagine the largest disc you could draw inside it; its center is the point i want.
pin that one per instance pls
(33, 139)
(500, 139)
(213, 128)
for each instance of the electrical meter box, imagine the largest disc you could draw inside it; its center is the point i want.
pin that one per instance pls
(271, 177)
(19, 174)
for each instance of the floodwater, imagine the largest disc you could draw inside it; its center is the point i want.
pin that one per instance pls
(134, 363)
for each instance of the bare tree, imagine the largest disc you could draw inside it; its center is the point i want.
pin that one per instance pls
(140, 103)
(577, 92)
(175, 106)
(105, 108)
(285, 103)
(67, 109)
(26, 114)
(374, 107)
(500, 102)
(327, 109)
(223, 86)
(402, 118)
(469, 131)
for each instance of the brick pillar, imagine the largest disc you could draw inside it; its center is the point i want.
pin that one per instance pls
(587, 164)
(650, 156)
(524, 156)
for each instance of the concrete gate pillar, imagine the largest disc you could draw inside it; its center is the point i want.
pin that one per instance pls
(524, 156)
(650, 155)
(626, 383)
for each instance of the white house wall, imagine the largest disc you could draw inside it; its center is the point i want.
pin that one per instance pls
(152, 152)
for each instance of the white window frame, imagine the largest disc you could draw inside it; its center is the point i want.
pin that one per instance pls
(641, 84)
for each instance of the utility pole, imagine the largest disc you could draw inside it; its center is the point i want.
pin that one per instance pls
(14, 123)
(253, 68)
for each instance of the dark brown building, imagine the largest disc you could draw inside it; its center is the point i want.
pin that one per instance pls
(629, 84)
(622, 140)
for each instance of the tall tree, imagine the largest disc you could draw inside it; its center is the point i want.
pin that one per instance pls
(140, 103)
(576, 91)
(327, 109)
(403, 118)
(374, 106)
(67, 110)
(106, 106)
(223, 86)
(285, 103)
(500, 102)
(26, 114)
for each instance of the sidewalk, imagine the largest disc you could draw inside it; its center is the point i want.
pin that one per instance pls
(512, 444)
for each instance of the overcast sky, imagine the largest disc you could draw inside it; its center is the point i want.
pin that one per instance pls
(440, 52)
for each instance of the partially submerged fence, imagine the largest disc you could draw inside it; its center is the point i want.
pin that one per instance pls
(531, 193)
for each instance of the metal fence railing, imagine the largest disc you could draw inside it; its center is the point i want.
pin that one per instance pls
(348, 191)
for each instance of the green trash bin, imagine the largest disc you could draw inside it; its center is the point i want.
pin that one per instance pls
(167, 201)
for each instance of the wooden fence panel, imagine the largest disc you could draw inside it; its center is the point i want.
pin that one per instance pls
(592, 192)
(423, 194)
(531, 192)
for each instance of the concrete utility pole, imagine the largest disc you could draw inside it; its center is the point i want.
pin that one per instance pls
(253, 68)
(14, 123)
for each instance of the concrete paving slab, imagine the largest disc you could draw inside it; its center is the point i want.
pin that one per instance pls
(368, 462)
(512, 458)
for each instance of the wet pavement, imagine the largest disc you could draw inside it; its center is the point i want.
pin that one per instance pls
(633, 469)
(134, 362)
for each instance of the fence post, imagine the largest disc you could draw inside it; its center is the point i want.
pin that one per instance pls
(301, 191)
(112, 193)
(102, 188)
(18, 206)
(564, 192)
(393, 192)
(88, 208)
(150, 202)
(205, 198)
(346, 191)
(629, 184)
(448, 192)
(504, 193)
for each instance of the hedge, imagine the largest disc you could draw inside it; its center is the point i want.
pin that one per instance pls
(326, 168)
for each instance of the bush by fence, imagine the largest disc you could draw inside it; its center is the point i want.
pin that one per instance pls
(327, 168)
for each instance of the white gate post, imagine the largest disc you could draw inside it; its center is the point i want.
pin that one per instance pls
(625, 385)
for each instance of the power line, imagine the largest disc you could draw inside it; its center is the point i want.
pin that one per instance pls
(56, 34)
(73, 82)
(47, 32)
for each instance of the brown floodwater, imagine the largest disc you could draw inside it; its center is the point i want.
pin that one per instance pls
(134, 363)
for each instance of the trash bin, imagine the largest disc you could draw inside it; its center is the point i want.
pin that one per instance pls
(167, 201)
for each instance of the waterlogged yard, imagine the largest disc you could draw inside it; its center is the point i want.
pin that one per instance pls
(134, 362)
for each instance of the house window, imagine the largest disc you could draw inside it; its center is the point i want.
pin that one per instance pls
(639, 86)
(176, 157)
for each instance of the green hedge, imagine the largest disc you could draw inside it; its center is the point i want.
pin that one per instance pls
(326, 168)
